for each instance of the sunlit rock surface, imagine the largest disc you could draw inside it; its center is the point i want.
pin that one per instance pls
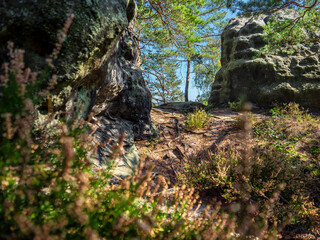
(269, 78)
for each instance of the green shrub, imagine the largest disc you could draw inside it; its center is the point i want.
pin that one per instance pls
(293, 111)
(270, 171)
(196, 120)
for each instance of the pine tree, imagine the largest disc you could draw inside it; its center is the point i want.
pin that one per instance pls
(205, 69)
(173, 34)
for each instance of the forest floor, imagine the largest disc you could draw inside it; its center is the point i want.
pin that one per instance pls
(174, 144)
(168, 152)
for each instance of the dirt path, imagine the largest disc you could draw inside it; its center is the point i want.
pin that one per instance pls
(174, 143)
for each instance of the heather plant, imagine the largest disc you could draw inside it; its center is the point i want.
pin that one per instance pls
(51, 191)
(226, 175)
(196, 120)
(294, 133)
(278, 157)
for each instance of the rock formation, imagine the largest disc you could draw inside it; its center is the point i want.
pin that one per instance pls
(185, 107)
(268, 78)
(97, 64)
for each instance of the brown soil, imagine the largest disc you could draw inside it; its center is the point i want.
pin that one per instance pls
(174, 143)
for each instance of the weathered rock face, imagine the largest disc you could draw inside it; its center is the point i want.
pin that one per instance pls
(268, 78)
(97, 64)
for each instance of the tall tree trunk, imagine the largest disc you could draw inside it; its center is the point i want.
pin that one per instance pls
(186, 92)
(139, 60)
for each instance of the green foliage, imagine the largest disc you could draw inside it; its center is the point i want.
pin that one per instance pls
(216, 171)
(282, 159)
(252, 6)
(292, 110)
(205, 69)
(196, 120)
(161, 76)
(286, 36)
(170, 33)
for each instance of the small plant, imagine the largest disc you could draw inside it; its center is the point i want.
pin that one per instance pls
(293, 111)
(197, 120)
(210, 170)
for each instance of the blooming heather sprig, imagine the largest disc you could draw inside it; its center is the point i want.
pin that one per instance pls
(23, 75)
(117, 149)
(4, 78)
(8, 124)
(21, 122)
(62, 34)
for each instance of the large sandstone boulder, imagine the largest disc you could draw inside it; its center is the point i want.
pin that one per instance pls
(97, 65)
(185, 107)
(269, 78)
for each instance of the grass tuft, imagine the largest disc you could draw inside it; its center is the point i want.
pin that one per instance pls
(196, 120)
